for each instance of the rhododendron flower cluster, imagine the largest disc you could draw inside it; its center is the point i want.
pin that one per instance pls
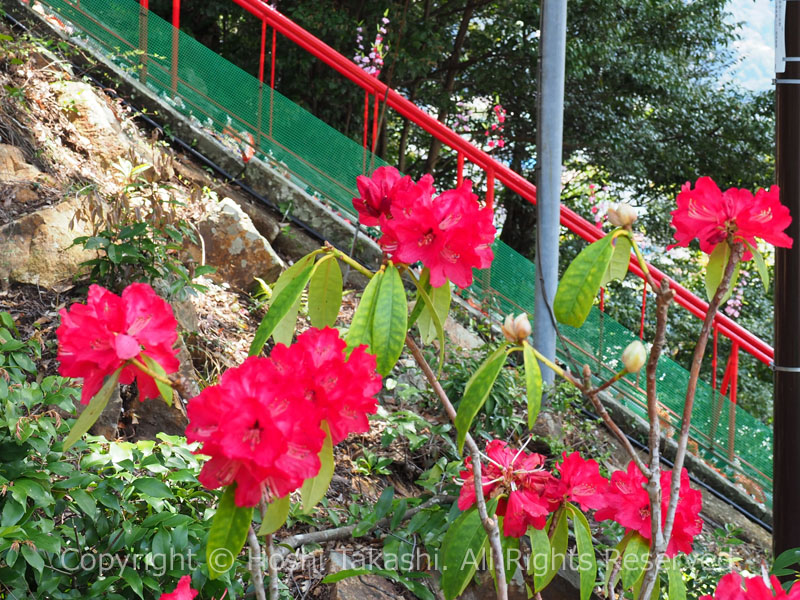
(531, 492)
(708, 214)
(628, 503)
(262, 423)
(184, 590)
(450, 234)
(734, 587)
(97, 338)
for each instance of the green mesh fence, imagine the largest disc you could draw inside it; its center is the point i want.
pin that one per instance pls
(233, 106)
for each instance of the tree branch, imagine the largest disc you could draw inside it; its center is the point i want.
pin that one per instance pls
(254, 565)
(489, 524)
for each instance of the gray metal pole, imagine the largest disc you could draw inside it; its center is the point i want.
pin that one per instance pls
(550, 126)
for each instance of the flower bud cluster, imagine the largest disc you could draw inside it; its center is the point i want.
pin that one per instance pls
(516, 329)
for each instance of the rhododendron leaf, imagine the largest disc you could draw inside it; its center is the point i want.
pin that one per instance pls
(634, 560)
(227, 534)
(276, 514)
(360, 331)
(614, 557)
(163, 388)
(285, 295)
(462, 548)
(533, 383)
(424, 283)
(435, 319)
(315, 487)
(92, 412)
(677, 588)
(587, 564)
(761, 266)
(620, 258)
(553, 555)
(390, 321)
(477, 391)
(715, 270)
(581, 282)
(325, 293)
(440, 299)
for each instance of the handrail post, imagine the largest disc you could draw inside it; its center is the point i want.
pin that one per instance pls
(176, 30)
(144, 9)
(261, 61)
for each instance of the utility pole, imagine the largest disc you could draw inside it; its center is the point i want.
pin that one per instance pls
(549, 134)
(786, 526)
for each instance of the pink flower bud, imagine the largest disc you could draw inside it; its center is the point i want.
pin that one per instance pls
(622, 216)
(516, 330)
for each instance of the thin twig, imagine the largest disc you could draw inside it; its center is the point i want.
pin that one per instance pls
(272, 569)
(489, 524)
(664, 297)
(254, 565)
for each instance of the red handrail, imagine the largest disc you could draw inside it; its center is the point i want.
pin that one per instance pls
(511, 179)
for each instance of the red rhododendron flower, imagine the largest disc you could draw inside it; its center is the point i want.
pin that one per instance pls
(755, 588)
(450, 234)
(96, 338)
(517, 474)
(710, 215)
(377, 193)
(182, 592)
(259, 430)
(342, 390)
(580, 482)
(628, 504)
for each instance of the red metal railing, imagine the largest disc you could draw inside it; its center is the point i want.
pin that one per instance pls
(740, 337)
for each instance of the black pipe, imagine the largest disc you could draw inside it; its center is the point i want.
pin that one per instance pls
(322, 238)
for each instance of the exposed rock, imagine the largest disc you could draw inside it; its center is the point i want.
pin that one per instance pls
(107, 423)
(98, 131)
(261, 216)
(36, 248)
(13, 166)
(235, 248)
(364, 587)
(294, 243)
(460, 336)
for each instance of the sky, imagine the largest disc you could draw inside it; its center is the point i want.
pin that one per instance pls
(755, 48)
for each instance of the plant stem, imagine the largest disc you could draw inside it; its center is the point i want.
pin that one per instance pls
(272, 569)
(147, 371)
(664, 297)
(489, 523)
(346, 259)
(680, 455)
(254, 565)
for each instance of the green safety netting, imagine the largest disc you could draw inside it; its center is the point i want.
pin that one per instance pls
(233, 106)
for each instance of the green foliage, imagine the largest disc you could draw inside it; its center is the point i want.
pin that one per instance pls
(580, 283)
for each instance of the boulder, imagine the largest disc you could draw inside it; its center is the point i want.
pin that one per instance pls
(36, 248)
(98, 131)
(234, 246)
(13, 166)
(460, 336)
(363, 587)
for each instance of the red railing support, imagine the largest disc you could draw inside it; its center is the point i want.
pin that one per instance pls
(144, 9)
(460, 169)
(490, 187)
(176, 30)
(375, 124)
(261, 61)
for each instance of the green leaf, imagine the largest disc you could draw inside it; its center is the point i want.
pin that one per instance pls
(360, 331)
(424, 283)
(227, 535)
(581, 282)
(477, 391)
(384, 504)
(152, 487)
(634, 560)
(677, 588)
(549, 552)
(133, 579)
(533, 383)
(85, 502)
(620, 259)
(163, 388)
(314, 488)
(587, 564)
(462, 549)
(761, 266)
(325, 293)
(440, 298)
(92, 412)
(715, 270)
(389, 323)
(275, 517)
(32, 557)
(285, 295)
(433, 314)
